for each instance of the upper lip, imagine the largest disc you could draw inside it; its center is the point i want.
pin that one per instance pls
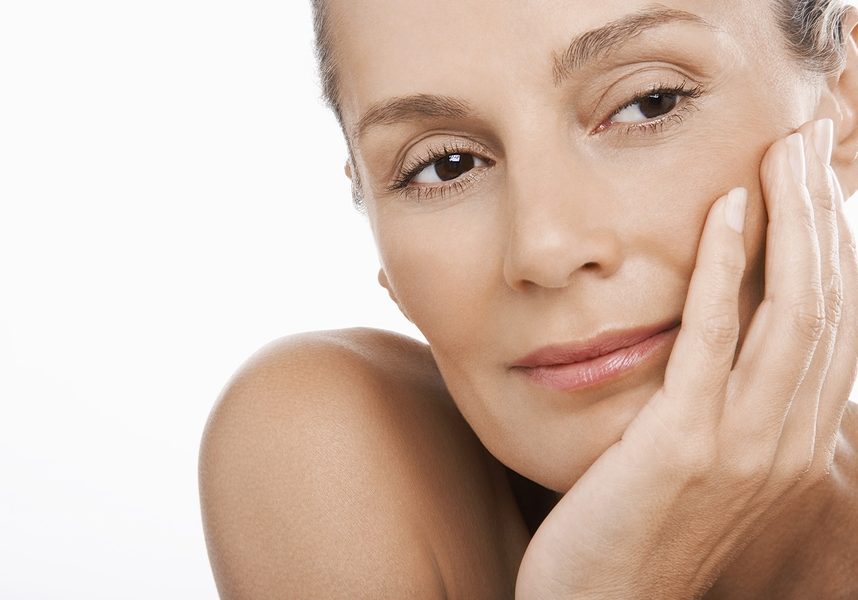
(604, 343)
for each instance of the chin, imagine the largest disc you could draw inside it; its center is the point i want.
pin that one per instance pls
(557, 452)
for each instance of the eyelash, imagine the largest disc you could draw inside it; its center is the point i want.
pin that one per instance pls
(414, 167)
(676, 115)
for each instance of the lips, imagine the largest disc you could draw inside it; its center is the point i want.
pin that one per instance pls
(599, 360)
(600, 345)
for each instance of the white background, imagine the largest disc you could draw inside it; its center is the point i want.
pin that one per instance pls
(172, 197)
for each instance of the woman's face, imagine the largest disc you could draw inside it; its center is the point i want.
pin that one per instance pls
(567, 213)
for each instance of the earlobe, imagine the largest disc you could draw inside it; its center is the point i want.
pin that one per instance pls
(348, 169)
(385, 283)
(845, 90)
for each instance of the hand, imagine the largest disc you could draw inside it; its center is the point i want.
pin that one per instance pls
(718, 450)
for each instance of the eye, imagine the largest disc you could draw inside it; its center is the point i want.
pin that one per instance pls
(441, 171)
(447, 168)
(651, 106)
(651, 110)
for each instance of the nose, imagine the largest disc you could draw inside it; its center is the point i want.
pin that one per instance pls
(560, 227)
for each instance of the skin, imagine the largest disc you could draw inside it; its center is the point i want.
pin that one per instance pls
(569, 230)
(498, 271)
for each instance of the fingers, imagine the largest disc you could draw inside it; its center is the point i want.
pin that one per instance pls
(799, 358)
(799, 437)
(785, 330)
(815, 395)
(699, 365)
(844, 363)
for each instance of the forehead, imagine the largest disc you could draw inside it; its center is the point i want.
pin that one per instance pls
(390, 48)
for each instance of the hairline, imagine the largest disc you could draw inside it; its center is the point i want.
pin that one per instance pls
(806, 55)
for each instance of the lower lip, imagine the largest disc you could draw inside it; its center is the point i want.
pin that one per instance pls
(590, 373)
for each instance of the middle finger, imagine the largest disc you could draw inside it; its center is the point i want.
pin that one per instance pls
(787, 326)
(798, 438)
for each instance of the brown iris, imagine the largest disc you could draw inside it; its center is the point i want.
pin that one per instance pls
(655, 105)
(453, 166)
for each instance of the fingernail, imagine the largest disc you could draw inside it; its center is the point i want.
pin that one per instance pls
(734, 211)
(795, 149)
(823, 139)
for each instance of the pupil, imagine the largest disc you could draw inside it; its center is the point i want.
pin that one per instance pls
(453, 165)
(656, 105)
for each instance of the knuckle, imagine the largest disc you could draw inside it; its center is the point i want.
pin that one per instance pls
(795, 468)
(690, 451)
(797, 464)
(731, 265)
(805, 216)
(849, 252)
(826, 467)
(720, 327)
(696, 458)
(823, 462)
(823, 194)
(829, 210)
(750, 469)
(834, 301)
(809, 318)
(819, 471)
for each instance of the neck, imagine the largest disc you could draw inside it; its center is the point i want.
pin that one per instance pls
(534, 501)
(809, 550)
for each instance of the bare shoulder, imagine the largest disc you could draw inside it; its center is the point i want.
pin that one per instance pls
(335, 464)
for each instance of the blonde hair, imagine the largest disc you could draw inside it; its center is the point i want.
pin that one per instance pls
(813, 33)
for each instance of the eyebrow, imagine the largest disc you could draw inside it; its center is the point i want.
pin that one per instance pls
(411, 108)
(600, 42)
(584, 48)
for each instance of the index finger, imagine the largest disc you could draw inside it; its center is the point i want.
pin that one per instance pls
(699, 365)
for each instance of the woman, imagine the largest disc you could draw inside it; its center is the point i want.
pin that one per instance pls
(620, 227)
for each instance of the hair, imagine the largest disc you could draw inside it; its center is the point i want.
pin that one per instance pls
(813, 35)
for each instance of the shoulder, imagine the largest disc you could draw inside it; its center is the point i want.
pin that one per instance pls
(356, 370)
(294, 492)
(324, 467)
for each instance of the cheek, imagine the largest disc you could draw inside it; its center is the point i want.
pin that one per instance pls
(679, 184)
(443, 268)
(446, 269)
(446, 266)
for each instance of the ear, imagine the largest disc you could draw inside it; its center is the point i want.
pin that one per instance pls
(385, 283)
(357, 191)
(844, 89)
